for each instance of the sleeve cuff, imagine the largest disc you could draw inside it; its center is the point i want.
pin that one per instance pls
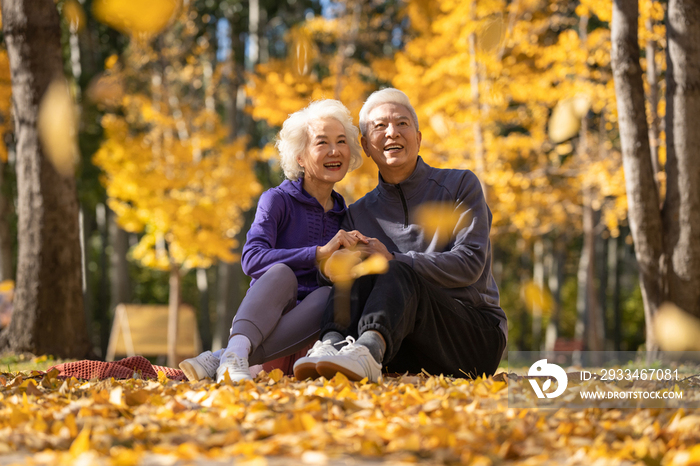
(311, 256)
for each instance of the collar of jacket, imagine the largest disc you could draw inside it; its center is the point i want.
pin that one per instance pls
(295, 189)
(412, 185)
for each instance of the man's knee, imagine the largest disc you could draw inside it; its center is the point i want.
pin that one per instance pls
(399, 270)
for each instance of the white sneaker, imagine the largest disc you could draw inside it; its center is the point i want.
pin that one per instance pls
(305, 368)
(201, 366)
(354, 361)
(236, 367)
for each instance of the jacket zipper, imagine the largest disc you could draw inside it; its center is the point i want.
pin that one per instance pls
(405, 207)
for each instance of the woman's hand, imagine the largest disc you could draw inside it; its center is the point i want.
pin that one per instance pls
(342, 239)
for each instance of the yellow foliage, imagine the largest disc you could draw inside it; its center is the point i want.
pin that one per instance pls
(170, 170)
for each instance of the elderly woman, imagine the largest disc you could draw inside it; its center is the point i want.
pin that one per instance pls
(297, 225)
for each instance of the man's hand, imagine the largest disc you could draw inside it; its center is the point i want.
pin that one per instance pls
(344, 239)
(374, 246)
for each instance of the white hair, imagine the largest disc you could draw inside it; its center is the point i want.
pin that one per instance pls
(385, 96)
(293, 139)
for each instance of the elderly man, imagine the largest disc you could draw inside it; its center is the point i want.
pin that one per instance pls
(437, 308)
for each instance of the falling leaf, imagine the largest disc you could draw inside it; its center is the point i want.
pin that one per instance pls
(303, 51)
(74, 15)
(374, 264)
(675, 329)
(537, 298)
(565, 121)
(438, 123)
(491, 35)
(106, 90)
(57, 127)
(339, 266)
(136, 17)
(438, 221)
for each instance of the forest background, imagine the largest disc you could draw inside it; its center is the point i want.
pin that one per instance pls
(177, 105)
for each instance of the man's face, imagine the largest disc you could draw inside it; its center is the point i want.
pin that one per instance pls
(392, 138)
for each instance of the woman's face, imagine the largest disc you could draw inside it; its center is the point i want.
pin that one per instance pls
(327, 155)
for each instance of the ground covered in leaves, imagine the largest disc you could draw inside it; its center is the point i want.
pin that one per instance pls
(277, 420)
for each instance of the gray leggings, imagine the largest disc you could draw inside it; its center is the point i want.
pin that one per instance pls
(273, 321)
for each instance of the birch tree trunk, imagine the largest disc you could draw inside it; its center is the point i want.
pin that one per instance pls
(642, 194)
(48, 316)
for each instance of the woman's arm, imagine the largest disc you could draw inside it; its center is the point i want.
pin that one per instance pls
(260, 252)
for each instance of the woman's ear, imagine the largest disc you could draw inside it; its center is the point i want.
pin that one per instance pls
(299, 162)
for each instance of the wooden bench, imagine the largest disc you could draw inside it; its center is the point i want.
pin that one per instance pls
(142, 329)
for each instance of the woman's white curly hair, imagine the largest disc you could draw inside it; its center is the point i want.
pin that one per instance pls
(293, 139)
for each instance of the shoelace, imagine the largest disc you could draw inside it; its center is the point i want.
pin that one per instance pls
(326, 348)
(349, 340)
(233, 360)
(210, 362)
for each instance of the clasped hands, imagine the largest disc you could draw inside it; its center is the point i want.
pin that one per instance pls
(346, 250)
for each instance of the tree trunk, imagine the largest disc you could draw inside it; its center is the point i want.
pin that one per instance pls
(203, 318)
(173, 314)
(48, 316)
(555, 280)
(653, 97)
(681, 212)
(642, 194)
(613, 286)
(538, 279)
(6, 260)
(479, 151)
(120, 284)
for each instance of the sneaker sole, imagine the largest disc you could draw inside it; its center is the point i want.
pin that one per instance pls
(190, 371)
(235, 379)
(306, 370)
(328, 369)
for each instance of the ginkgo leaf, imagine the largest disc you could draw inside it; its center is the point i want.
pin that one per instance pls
(438, 221)
(491, 35)
(339, 266)
(563, 123)
(374, 264)
(57, 127)
(675, 329)
(537, 297)
(106, 90)
(74, 15)
(136, 17)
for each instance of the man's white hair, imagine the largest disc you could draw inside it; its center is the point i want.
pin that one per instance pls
(385, 96)
(293, 139)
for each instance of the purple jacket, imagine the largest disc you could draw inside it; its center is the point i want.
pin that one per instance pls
(289, 224)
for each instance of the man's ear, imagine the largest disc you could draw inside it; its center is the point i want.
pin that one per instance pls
(365, 144)
(419, 137)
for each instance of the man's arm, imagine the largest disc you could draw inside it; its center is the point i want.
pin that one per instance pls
(464, 263)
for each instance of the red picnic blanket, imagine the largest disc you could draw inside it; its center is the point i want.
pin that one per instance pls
(122, 369)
